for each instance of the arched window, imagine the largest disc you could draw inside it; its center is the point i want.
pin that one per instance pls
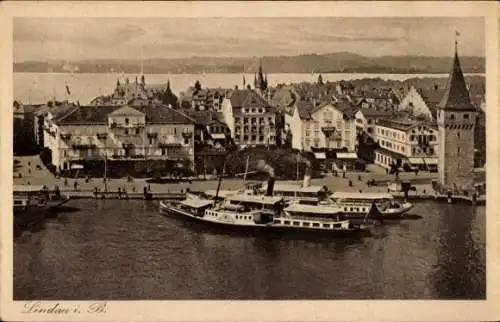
(452, 116)
(126, 121)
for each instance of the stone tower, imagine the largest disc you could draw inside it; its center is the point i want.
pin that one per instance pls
(456, 121)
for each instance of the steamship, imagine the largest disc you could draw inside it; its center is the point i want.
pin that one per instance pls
(353, 205)
(264, 213)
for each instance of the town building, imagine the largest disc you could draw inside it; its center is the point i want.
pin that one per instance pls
(327, 125)
(250, 118)
(24, 127)
(422, 103)
(119, 134)
(203, 99)
(406, 143)
(457, 120)
(366, 119)
(137, 94)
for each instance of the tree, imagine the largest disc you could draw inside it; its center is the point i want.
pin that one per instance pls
(197, 86)
(320, 80)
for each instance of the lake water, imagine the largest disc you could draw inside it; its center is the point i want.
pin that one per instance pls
(126, 250)
(42, 87)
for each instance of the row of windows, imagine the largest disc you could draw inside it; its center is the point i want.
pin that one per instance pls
(254, 110)
(389, 133)
(392, 146)
(384, 159)
(243, 217)
(424, 150)
(452, 116)
(253, 120)
(305, 224)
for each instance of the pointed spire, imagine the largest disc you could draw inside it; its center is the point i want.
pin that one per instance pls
(456, 96)
(244, 81)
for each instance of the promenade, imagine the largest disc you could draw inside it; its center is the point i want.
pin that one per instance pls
(41, 176)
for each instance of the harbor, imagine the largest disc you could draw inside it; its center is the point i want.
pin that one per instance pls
(260, 177)
(134, 252)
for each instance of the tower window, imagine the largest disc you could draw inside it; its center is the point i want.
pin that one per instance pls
(458, 134)
(452, 116)
(458, 149)
(466, 116)
(126, 121)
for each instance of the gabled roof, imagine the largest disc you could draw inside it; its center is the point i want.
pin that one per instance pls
(159, 114)
(371, 112)
(203, 117)
(304, 109)
(86, 115)
(347, 109)
(404, 124)
(247, 98)
(456, 96)
(126, 110)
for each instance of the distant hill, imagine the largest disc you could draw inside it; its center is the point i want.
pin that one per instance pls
(342, 62)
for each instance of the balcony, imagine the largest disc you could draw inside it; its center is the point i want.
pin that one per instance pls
(152, 135)
(165, 144)
(83, 146)
(102, 136)
(187, 134)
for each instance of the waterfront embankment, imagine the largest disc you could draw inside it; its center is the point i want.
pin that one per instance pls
(33, 172)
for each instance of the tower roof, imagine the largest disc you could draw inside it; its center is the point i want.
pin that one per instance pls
(456, 95)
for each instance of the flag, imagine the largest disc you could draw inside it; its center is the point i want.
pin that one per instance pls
(67, 90)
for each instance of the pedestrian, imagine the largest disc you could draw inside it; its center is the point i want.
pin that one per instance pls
(65, 182)
(75, 185)
(149, 187)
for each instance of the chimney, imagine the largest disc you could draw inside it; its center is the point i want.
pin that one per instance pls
(270, 186)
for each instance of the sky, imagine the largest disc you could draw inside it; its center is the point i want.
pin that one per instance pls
(122, 38)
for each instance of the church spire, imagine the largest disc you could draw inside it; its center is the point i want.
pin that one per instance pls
(456, 96)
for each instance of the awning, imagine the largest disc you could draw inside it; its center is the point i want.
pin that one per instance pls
(347, 155)
(431, 161)
(416, 160)
(76, 166)
(320, 155)
(218, 136)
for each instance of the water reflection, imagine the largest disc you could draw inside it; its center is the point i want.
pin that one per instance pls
(460, 270)
(126, 250)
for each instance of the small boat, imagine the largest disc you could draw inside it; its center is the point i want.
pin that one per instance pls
(358, 204)
(32, 203)
(263, 213)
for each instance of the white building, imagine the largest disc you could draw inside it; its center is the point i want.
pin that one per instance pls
(406, 142)
(328, 125)
(118, 133)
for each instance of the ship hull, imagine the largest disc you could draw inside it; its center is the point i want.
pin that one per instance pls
(258, 229)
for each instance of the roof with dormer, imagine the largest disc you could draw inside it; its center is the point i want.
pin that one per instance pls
(126, 110)
(98, 115)
(456, 95)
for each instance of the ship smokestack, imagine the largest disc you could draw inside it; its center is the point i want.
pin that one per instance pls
(270, 186)
(307, 175)
(262, 165)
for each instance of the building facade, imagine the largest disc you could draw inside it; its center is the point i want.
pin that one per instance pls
(250, 118)
(457, 119)
(406, 143)
(119, 133)
(329, 125)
